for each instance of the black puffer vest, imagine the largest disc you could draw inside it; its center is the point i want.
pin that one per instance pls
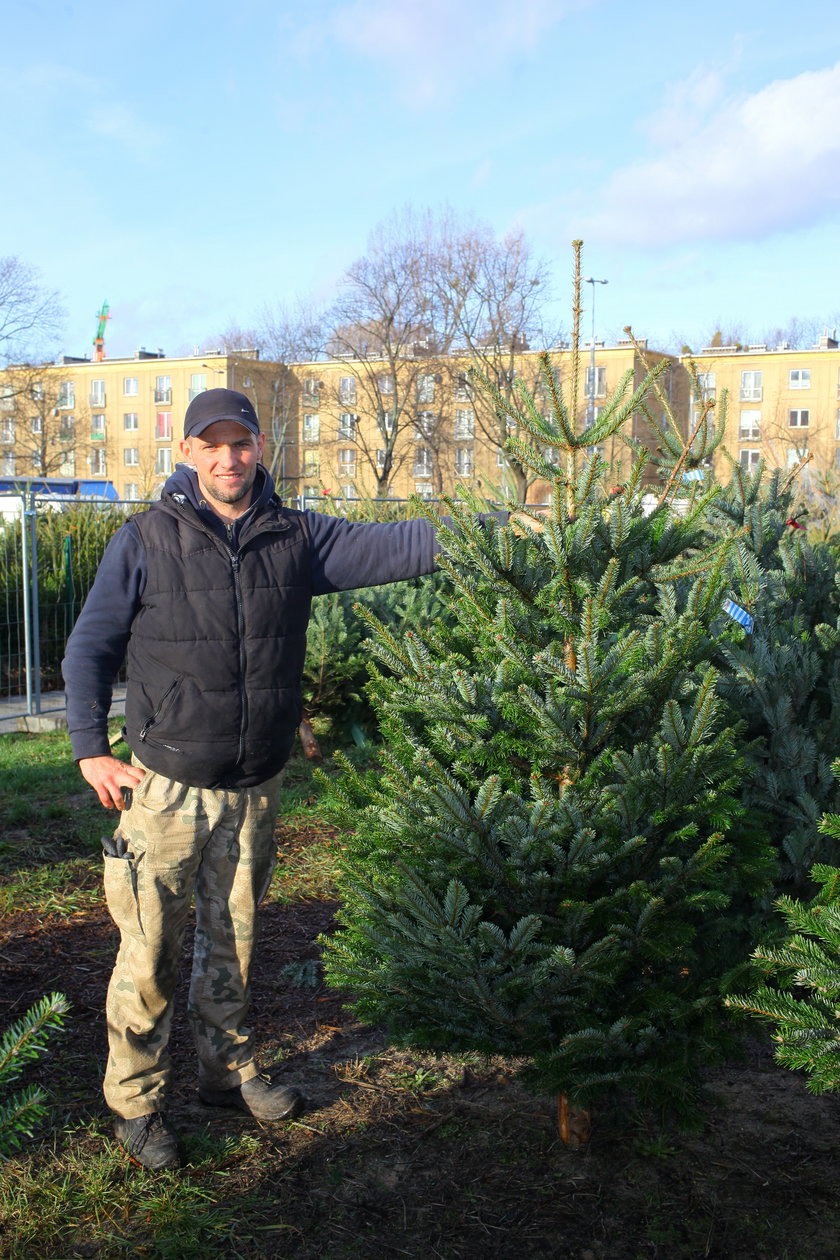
(217, 649)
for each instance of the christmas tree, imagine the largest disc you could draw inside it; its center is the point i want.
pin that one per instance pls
(801, 996)
(539, 867)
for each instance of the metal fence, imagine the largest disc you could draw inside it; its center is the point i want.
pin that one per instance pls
(48, 560)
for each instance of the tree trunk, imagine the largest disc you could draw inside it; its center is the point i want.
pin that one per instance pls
(574, 1123)
(311, 748)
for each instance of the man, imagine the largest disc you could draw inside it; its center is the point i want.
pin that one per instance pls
(208, 595)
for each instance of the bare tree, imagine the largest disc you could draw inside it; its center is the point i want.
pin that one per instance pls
(432, 287)
(30, 315)
(493, 295)
(384, 327)
(41, 425)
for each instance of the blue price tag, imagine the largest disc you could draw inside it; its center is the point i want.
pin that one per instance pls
(739, 614)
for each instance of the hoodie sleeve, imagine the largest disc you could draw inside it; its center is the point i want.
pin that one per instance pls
(96, 648)
(348, 554)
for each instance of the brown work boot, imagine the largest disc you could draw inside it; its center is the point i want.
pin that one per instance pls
(149, 1140)
(259, 1097)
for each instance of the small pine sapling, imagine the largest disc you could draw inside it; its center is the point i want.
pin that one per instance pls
(21, 1044)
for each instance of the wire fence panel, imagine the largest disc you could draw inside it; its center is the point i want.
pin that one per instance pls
(49, 552)
(13, 620)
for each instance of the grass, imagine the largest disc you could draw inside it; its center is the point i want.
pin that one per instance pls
(400, 1153)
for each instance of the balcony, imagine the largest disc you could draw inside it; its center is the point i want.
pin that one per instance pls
(163, 395)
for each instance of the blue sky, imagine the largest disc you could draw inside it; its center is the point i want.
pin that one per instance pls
(193, 163)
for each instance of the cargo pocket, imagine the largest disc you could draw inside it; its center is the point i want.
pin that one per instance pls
(120, 882)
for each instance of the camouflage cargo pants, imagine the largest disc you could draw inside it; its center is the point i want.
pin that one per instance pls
(174, 842)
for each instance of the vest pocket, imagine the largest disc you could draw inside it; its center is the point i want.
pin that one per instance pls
(161, 708)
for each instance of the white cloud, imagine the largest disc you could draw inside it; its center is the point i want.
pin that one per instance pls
(117, 122)
(432, 48)
(733, 169)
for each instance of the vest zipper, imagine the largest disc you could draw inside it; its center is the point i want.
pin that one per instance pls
(240, 621)
(149, 723)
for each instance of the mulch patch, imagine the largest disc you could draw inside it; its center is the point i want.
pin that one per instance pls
(400, 1154)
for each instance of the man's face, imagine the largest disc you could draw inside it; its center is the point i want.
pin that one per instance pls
(225, 456)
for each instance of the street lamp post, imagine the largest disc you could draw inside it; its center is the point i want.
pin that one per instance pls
(590, 412)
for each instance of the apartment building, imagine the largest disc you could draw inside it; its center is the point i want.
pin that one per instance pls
(782, 405)
(120, 419)
(417, 425)
(423, 426)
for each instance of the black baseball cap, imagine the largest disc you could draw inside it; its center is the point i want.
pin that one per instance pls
(219, 404)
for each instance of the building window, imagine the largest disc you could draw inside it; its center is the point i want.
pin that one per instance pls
(750, 426)
(423, 489)
(130, 422)
(463, 461)
(36, 425)
(163, 389)
(464, 426)
(131, 457)
(68, 464)
(425, 388)
(7, 398)
(311, 492)
(67, 429)
(347, 462)
(311, 466)
(800, 378)
(198, 384)
(163, 461)
(7, 429)
(600, 390)
(97, 427)
(386, 422)
(381, 456)
(347, 389)
(67, 394)
(163, 426)
(386, 384)
(7, 464)
(424, 425)
(97, 394)
(798, 419)
(422, 462)
(96, 463)
(131, 491)
(347, 425)
(311, 390)
(837, 426)
(748, 459)
(37, 461)
(795, 454)
(311, 427)
(130, 386)
(462, 387)
(751, 387)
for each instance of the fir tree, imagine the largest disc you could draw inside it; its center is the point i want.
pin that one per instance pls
(21, 1044)
(802, 996)
(540, 866)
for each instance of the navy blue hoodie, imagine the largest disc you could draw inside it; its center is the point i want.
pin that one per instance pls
(213, 618)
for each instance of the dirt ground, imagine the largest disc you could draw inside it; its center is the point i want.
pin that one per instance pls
(404, 1155)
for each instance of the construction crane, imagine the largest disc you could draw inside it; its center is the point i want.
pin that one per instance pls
(99, 339)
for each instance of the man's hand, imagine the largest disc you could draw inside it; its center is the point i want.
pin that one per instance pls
(107, 776)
